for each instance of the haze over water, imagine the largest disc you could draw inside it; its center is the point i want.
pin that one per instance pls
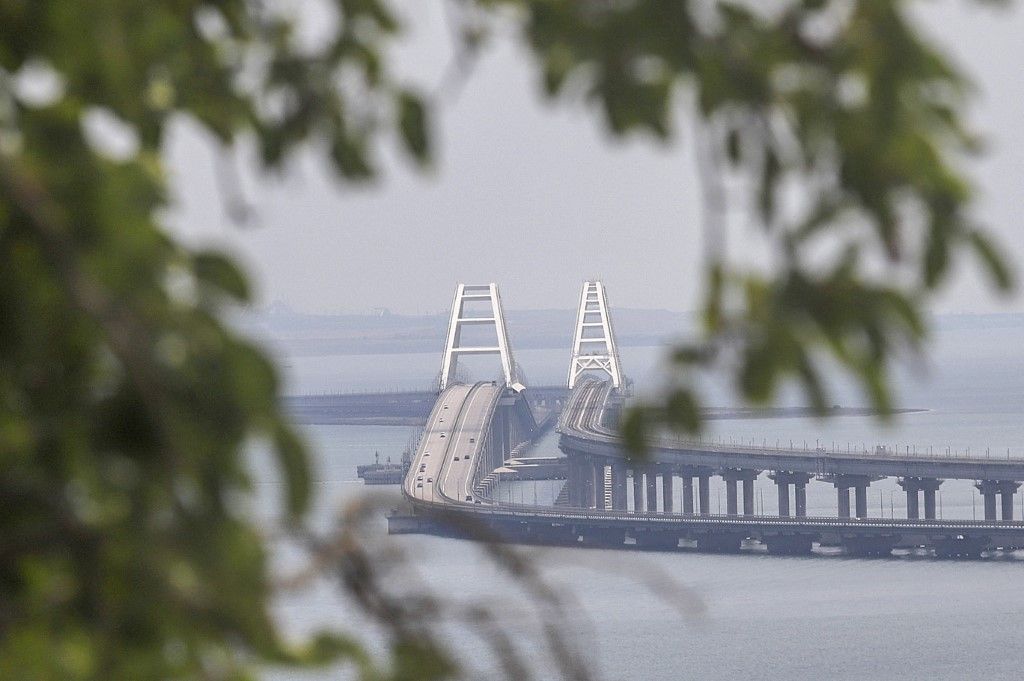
(766, 617)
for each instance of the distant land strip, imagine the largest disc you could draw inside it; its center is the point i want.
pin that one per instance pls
(412, 409)
(295, 334)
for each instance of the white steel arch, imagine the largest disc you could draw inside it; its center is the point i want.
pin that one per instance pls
(482, 293)
(593, 346)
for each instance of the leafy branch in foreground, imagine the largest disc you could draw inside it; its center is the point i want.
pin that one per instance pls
(845, 125)
(126, 404)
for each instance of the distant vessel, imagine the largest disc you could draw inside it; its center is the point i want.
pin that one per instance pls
(386, 473)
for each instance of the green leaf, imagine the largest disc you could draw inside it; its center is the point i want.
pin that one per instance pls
(682, 411)
(732, 145)
(997, 267)
(219, 272)
(413, 126)
(295, 465)
(634, 429)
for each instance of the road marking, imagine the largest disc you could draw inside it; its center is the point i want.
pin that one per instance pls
(478, 390)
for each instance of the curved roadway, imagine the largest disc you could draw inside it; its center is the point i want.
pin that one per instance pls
(584, 432)
(444, 467)
(444, 471)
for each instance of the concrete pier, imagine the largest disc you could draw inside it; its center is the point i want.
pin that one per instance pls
(638, 490)
(602, 536)
(988, 490)
(843, 495)
(589, 483)
(723, 542)
(619, 498)
(572, 482)
(859, 485)
(688, 494)
(861, 500)
(788, 544)
(667, 493)
(748, 496)
(783, 479)
(856, 545)
(929, 502)
(1005, 489)
(733, 476)
(912, 486)
(929, 487)
(704, 493)
(600, 484)
(654, 539)
(581, 482)
(731, 505)
(800, 497)
(783, 498)
(651, 477)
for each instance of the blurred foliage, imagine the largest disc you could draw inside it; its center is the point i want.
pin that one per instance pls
(845, 127)
(127, 404)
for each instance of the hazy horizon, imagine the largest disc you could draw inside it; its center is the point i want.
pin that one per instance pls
(536, 197)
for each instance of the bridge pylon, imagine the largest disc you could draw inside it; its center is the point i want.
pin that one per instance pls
(594, 347)
(466, 295)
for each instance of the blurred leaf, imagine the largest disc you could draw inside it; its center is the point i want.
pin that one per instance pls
(995, 263)
(635, 429)
(682, 411)
(219, 272)
(296, 468)
(413, 124)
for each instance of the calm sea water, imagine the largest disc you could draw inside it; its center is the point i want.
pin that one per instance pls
(763, 617)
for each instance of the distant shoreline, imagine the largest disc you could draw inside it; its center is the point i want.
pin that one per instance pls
(330, 417)
(738, 413)
(305, 335)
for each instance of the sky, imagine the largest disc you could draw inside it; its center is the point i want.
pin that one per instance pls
(535, 196)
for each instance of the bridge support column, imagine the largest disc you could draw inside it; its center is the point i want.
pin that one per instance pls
(600, 484)
(1006, 492)
(783, 498)
(576, 481)
(730, 496)
(619, 500)
(930, 501)
(704, 493)
(1006, 489)
(861, 500)
(732, 476)
(843, 493)
(589, 483)
(929, 486)
(688, 494)
(988, 490)
(912, 486)
(859, 483)
(800, 494)
(783, 479)
(651, 477)
(748, 496)
(638, 490)
(666, 489)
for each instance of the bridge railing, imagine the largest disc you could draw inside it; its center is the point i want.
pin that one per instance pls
(594, 425)
(517, 509)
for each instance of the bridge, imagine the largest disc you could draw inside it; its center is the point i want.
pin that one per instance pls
(473, 430)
